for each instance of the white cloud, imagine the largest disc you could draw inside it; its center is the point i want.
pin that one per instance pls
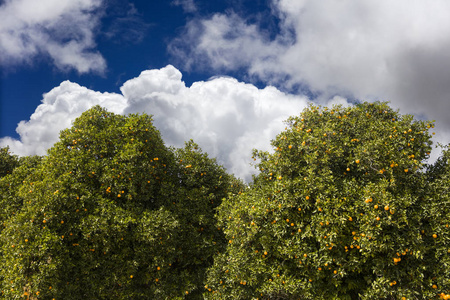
(225, 117)
(223, 42)
(62, 30)
(59, 108)
(387, 50)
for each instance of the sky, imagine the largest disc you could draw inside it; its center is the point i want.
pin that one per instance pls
(224, 73)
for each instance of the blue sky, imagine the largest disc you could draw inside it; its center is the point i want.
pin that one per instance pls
(132, 37)
(225, 73)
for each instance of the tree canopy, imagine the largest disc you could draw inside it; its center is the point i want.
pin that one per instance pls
(7, 161)
(345, 206)
(342, 209)
(111, 212)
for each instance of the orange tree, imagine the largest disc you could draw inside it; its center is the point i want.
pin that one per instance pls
(7, 161)
(340, 210)
(437, 231)
(111, 213)
(14, 172)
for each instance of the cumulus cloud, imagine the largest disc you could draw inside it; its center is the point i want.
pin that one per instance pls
(227, 118)
(62, 30)
(60, 106)
(384, 50)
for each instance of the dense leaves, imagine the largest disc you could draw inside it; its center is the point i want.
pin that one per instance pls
(341, 210)
(7, 162)
(111, 213)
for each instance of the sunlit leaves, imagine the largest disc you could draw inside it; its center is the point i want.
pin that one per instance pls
(111, 213)
(337, 211)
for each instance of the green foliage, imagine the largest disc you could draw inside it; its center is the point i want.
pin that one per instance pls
(438, 222)
(111, 213)
(341, 210)
(7, 162)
